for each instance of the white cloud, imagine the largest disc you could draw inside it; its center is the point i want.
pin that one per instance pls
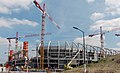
(8, 22)
(113, 6)
(5, 10)
(108, 25)
(8, 6)
(117, 49)
(96, 16)
(118, 44)
(90, 1)
(112, 3)
(94, 41)
(5, 43)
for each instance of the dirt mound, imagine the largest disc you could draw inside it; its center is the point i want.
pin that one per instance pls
(118, 61)
(99, 71)
(110, 64)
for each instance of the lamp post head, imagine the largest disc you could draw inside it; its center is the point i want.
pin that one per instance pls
(78, 29)
(117, 34)
(75, 27)
(91, 35)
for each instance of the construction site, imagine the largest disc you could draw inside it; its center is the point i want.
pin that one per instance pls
(59, 56)
(55, 56)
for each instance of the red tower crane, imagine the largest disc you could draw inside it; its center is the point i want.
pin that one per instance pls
(32, 35)
(16, 38)
(44, 14)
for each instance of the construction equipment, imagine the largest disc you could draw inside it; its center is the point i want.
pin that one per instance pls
(32, 35)
(16, 54)
(44, 14)
(101, 38)
(17, 37)
(102, 41)
(67, 66)
(16, 45)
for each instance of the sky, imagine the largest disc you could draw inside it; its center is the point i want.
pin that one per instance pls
(24, 17)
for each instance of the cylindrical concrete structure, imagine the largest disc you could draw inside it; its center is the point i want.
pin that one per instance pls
(25, 49)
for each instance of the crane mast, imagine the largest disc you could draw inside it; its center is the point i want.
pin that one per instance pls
(102, 42)
(42, 40)
(44, 14)
(102, 53)
(16, 45)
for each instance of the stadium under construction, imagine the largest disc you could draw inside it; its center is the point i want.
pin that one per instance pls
(58, 54)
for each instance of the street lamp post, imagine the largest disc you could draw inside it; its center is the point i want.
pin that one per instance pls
(83, 47)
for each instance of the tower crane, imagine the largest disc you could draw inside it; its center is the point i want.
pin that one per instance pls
(44, 14)
(17, 37)
(32, 35)
(101, 37)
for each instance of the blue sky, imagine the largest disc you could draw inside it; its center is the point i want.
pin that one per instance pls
(22, 16)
